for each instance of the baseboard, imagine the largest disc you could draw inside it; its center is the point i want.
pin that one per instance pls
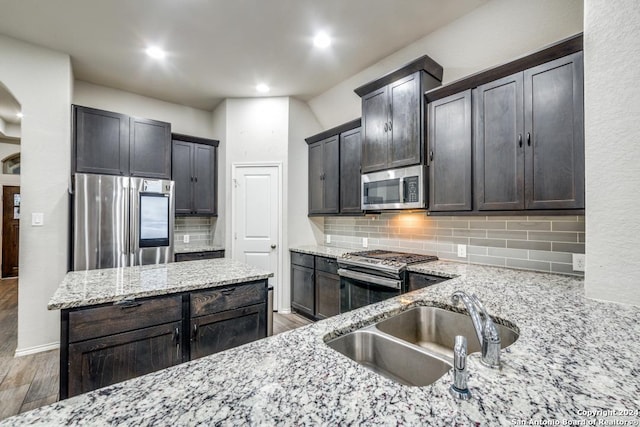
(284, 311)
(37, 349)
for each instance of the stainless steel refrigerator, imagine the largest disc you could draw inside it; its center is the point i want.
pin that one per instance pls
(121, 221)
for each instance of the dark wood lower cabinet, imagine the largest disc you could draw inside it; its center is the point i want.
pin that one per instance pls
(195, 256)
(228, 329)
(327, 295)
(106, 344)
(302, 290)
(108, 360)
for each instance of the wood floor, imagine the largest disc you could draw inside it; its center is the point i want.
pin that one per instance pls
(26, 382)
(29, 382)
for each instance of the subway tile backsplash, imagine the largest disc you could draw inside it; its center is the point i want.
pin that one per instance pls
(541, 243)
(199, 229)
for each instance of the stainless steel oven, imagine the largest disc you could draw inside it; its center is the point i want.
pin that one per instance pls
(358, 289)
(394, 189)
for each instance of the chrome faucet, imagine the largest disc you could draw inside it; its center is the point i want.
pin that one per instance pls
(459, 388)
(485, 328)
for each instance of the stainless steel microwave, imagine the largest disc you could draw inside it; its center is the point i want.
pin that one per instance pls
(394, 189)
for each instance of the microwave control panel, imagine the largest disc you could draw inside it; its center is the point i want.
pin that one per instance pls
(411, 183)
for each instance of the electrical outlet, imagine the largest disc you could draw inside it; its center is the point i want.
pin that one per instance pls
(328, 238)
(579, 262)
(462, 251)
(365, 242)
(185, 238)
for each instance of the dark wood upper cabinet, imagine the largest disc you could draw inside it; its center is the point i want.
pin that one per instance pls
(450, 174)
(554, 133)
(375, 125)
(324, 176)
(101, 141)
(529, 139)
(499, 144)
(149, 148)
(392, 123)
(116, 144)
(194, 170)
(350, 185)
(405, 127)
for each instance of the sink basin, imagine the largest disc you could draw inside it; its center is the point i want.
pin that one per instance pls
(435, 329)
(391, 357)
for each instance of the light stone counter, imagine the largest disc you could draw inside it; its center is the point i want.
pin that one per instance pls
(573, 355)
(85, 288)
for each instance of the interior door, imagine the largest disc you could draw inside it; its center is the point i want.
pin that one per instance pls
(256, 219)
(10, 230)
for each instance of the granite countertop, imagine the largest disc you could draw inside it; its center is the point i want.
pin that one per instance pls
(573, 355)
(85, 288)
(325, 251)
(190, 248)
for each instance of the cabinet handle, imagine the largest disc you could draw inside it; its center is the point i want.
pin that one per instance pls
(390, 127)
(529, 139)
(127, 304)
(431, 155)
(386, 127)
(177, 338)
(195, 332)
(195, 179)
(519, 140)
(191, 179)
(228, 291)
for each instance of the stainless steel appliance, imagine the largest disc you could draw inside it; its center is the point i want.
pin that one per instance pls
(394, 189)
(372, 276)
(121, 221)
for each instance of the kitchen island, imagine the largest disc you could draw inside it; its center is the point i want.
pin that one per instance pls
(120, 323)
(573, 355)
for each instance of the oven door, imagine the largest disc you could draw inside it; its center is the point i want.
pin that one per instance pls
(358, 289)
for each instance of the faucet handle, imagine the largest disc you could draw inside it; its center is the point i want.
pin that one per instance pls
(459, 388)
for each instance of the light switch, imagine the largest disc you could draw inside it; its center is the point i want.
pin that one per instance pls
(185, 238)
(37, 219)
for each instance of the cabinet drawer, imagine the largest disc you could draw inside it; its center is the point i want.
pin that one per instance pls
(328, 265)
(232, 297)
(121, 317)
(194, 256)
(303, 260)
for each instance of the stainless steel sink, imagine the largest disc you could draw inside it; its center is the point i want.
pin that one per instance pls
(391, 357)
(414, 347)
(435, 329)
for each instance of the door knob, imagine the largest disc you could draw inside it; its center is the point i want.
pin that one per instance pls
(273, 246)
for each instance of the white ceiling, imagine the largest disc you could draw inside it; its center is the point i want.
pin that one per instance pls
(223, 48)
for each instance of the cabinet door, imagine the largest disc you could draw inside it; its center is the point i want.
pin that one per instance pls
(554, 126)
(375, 127)
(331, 175)
(228, 329)
(404, 118)
(499, 145)
(101, 142)
(316, 187)
(150, 148)
(327, 295)
(303, 290)
(450, 153)
(183, 176)
(197, 256)
(108, 360)
(350, 182)
(204, 179)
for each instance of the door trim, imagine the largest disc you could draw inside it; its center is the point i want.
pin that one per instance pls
(235, 166)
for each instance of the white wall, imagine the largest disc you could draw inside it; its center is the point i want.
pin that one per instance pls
(186, 120)
(492, 34)
(41, 80)
(612, 149)
(219, 129)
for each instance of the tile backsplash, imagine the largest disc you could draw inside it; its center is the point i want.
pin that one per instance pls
(542, 243)
(199, 229)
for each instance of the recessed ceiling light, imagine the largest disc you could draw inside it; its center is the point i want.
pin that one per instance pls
(262, 88)
(19, 115)
(322, 40)
(155, 52)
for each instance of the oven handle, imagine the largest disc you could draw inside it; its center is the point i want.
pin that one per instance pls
(377, 280)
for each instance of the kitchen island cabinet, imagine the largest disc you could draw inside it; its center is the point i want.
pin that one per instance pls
(250, 385)
(121, 323)
(315, 285)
